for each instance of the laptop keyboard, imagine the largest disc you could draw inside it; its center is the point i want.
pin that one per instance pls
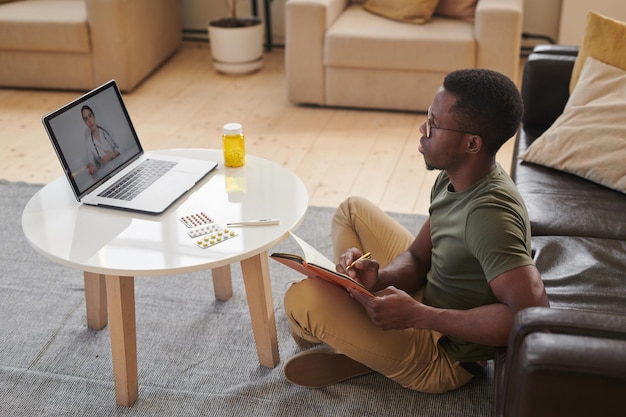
(137, 180)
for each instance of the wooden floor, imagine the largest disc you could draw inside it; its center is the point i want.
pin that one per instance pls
(336, 152)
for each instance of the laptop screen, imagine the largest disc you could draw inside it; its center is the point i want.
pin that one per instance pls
(93, 137)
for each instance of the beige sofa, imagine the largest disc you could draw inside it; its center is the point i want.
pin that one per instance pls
(338, 54)
(80, 44)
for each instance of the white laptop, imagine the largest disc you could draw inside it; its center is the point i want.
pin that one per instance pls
(104, 161)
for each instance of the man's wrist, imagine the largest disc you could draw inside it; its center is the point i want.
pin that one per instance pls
(381, 281)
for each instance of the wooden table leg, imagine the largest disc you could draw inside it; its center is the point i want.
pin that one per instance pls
(95, 300)
(222, 283)
(121, 303)
(256, 278)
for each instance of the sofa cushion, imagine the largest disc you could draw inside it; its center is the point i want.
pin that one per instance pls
(440, 45)
(559, 203)
(604, 41)
(582, 273)
(40, 25)
(381, 89)
(460, 9)
(411, 11)
(589, 138)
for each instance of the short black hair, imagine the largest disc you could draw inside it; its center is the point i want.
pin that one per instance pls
(487, 103)
(86, 107)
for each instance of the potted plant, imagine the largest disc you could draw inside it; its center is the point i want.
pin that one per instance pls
(236, 42)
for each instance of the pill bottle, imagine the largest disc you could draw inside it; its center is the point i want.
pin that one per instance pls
(234, 146)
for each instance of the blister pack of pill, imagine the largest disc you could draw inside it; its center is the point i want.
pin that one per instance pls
(205, 232)
(196, 219)
(210, 235)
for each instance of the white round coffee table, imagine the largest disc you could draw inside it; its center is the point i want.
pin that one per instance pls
(113, 246)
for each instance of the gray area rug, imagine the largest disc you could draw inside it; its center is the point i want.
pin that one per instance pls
(196, 355)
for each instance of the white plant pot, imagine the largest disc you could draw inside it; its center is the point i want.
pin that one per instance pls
(236, 50)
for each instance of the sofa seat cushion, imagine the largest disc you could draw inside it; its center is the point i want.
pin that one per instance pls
(441, 45)
(582, 273)
(40, 25)
(559, 203)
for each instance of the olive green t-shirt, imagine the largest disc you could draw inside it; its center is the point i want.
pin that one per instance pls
(477, 234)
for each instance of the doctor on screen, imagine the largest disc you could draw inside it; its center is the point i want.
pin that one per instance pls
(101, 148)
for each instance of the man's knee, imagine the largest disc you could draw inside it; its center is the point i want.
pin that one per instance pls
(314, 295)
(301, 297)
(349, 207)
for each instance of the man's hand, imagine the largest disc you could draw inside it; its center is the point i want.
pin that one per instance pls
(392, 309)
(364, 271)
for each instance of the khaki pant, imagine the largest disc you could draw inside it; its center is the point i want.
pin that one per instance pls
(320, 312)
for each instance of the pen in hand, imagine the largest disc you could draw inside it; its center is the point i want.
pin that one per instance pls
(364, 256)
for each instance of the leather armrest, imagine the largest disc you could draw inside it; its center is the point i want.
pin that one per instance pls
(564, 362)
(545, 87)
(564, 321)
(554, 49)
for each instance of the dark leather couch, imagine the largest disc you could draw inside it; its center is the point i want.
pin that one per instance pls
(568, 360)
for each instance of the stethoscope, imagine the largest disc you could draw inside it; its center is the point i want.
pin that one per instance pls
(109, 140)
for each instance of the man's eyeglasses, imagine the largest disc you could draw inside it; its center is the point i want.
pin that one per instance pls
(430, 125)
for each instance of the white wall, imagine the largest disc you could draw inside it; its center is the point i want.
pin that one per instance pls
(541, 17)
(197, 13)
(574, 17)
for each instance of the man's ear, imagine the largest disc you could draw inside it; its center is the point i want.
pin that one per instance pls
(474, 144)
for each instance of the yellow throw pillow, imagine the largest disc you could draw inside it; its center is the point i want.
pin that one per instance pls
(604, 40)
(459, 9)
(410, 11)
(589, 138)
